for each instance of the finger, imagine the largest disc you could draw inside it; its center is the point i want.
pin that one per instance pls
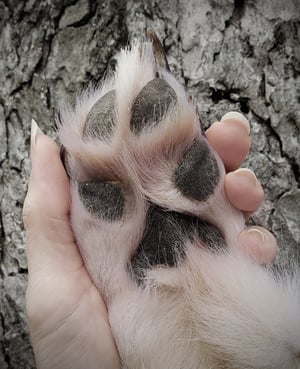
(230, 138)
(259, 244)
(243, 190)
(50, 240)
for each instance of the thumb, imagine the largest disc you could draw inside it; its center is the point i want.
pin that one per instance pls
(49, 237)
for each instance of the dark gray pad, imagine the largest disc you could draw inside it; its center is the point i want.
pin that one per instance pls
(197, 175)
(151, 105)
(163, 243)
(101, 118)
(102, 199)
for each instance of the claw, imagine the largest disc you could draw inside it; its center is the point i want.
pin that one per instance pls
(158, 50)
(64, 160)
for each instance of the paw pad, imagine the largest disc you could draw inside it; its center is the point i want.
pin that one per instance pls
(152, 103)
(165, 237)
(197, 175)
(102, 118)
(102, 199)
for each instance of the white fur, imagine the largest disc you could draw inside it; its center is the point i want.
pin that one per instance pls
(210, 311)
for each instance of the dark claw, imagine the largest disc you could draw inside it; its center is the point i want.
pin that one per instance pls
(64, 159)
(158, 50)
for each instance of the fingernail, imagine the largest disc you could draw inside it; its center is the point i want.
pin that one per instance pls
(256, 236)
(245, 172)
(35, 131)
(259, 245)
(237, 117)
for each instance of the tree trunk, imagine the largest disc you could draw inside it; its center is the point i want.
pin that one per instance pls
(231, 55)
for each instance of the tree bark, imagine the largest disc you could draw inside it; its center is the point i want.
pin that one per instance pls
(231, 55)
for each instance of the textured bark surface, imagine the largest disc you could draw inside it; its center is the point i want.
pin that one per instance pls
(231, 55)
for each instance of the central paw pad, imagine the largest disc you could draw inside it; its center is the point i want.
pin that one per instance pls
(163, 243)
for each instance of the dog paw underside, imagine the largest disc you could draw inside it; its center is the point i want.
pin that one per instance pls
(159, 237)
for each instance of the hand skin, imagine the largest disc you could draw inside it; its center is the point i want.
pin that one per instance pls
(66, 315)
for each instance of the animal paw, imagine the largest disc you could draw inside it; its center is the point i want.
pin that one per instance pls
(159, 237)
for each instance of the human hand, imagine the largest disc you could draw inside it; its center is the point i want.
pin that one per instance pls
(66, 315)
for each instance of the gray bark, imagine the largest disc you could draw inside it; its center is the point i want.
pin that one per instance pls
(231, 55)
